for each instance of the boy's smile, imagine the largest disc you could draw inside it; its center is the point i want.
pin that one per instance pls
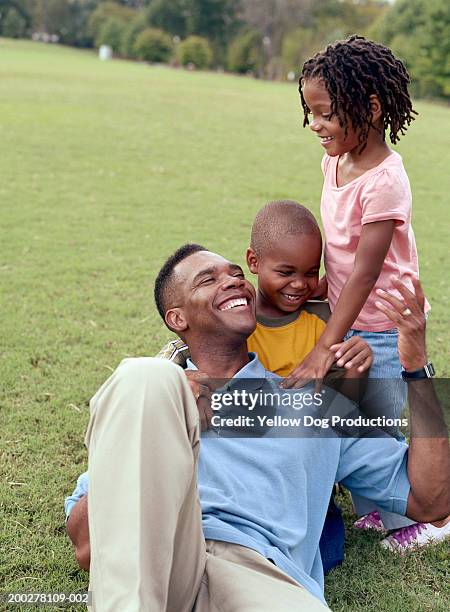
(288, 274)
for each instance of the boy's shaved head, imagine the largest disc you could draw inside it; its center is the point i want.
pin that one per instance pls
(279, 219)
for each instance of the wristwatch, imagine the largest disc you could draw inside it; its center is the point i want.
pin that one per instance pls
(426, 372)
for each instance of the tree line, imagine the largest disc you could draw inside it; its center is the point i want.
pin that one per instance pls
(265, 38)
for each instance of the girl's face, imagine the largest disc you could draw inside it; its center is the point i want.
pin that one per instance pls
(326, 127)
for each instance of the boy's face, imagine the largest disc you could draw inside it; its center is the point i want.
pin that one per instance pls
(287, 275)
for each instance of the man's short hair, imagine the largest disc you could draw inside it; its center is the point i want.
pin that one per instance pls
(164, 283)
(279, 219)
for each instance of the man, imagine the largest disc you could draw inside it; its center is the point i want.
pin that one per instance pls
(247, 537)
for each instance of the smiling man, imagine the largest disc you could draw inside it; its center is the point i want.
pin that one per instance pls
(235, 527)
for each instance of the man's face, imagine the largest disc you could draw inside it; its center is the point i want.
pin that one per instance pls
(215, 299)
(288, 274)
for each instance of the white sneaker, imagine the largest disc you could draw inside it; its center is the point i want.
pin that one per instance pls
(414, 536)
(370, 521)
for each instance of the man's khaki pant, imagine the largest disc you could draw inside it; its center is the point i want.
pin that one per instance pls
(148, 552)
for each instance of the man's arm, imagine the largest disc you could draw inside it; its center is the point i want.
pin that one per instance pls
(78, 530)
(428, 457)
(429, 451)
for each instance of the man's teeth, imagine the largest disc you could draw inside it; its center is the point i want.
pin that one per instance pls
(326, 139)
(293, 298)
(234, 303)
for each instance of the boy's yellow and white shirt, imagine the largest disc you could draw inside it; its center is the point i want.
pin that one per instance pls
(282, 344)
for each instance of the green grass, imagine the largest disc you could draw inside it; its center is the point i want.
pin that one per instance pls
(105, 169)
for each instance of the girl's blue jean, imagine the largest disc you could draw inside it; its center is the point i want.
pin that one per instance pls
(387, 391)
(386, 395)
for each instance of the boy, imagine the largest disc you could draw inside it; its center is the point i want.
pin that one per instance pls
(285, 252)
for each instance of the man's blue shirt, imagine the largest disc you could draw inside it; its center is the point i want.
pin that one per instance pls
(271, 493)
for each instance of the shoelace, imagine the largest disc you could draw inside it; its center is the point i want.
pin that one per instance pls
(407, 534)
(373, 518)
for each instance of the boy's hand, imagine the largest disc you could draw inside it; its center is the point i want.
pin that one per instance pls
(321, 292)
(315, 365)
(353, 353)
(201, 388)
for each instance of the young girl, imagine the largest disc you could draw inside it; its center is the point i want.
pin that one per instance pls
(351, 93)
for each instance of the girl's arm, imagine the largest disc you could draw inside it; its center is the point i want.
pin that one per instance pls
(373, 246)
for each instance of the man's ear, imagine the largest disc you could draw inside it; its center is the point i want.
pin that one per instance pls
(252, 260)
(176, 320)
(375, 108)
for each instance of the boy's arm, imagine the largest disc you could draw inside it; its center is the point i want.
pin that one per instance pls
(373, 246)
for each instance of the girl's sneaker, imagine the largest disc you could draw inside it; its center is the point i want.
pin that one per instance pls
(370, 521)
(414, 536)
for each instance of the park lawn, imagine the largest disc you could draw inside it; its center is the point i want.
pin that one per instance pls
(107, 168)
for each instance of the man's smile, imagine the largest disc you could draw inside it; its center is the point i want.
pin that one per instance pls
(234, 302)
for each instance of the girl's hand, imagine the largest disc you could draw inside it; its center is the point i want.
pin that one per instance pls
(353, 353)
(321, 292)
(315, 365)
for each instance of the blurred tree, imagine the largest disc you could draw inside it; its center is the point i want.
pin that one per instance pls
(169, 15)
(298, 45)
(136, 4)
(76, 27)
(273, 18)
(195, 50)
(68, 20)
(108, 9)
(246, 53)
(340, 18)
(12, 23)
(153, 45)
(213, 19)
(130, 33)
(418, 32)
(111, 33)
(21, 9)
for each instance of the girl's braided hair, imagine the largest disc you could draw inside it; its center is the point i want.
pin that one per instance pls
(354, 69)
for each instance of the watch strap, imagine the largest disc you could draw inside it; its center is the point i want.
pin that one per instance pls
(426, 372)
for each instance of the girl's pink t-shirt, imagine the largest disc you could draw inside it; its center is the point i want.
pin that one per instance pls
(379, 194)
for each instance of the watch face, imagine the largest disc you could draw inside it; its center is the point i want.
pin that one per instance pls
(429, 369)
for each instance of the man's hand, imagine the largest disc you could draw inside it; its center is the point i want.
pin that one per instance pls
(408, 316)
(354, 353)
(315, 365)
(201, 386)
(78, 530)
(429, 452)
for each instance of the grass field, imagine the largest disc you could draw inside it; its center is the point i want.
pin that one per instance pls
(105, 169)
